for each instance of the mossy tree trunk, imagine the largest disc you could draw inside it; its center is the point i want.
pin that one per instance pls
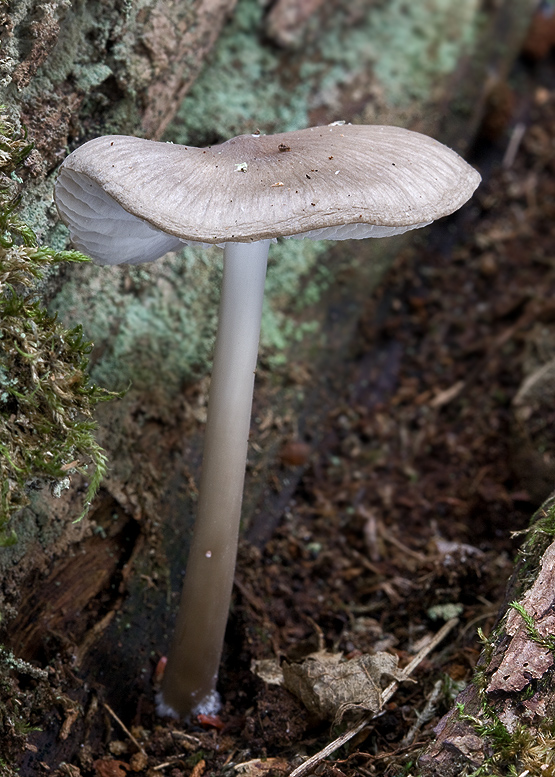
(504, 719)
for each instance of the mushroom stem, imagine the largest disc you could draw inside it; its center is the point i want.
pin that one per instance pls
(189, 684)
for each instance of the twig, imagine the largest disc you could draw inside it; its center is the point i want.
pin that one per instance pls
(311, 763)
(124, 727)
(423, 717)
(514, 143)
(174, 760)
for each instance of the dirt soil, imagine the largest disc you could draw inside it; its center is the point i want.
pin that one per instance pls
(404, 514)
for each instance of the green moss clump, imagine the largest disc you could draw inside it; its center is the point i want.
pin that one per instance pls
(46, 397)
(512, 753)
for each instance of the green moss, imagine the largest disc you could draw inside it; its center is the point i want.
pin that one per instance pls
(547, 642)
(542, 528)
(46, 398)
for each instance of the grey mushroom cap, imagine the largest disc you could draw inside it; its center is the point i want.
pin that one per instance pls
(126, 199)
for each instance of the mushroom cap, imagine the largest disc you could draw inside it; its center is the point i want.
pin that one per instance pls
(126, 199)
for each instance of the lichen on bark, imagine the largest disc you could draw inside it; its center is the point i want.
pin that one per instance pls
(79, 69)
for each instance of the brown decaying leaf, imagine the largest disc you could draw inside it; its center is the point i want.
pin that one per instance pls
(198, 769)
(330, 687)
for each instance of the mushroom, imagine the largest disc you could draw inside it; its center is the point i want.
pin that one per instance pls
(131, 200)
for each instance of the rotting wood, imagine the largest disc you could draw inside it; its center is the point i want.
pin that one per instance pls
(56, 606)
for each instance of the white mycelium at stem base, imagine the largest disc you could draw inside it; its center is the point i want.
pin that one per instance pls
(189, 684)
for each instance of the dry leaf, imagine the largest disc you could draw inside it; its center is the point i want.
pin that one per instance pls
(268, 669)
(329, 686)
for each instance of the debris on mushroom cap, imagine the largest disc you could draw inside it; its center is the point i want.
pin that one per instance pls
(335, 182)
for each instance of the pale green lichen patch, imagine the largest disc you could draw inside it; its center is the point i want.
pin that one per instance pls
(404, 48)
(240, 89)
(421, 43)
(155, 324)
(152, 324)
(290, 261)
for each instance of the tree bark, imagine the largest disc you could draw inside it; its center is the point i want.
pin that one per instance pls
(79, 69)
